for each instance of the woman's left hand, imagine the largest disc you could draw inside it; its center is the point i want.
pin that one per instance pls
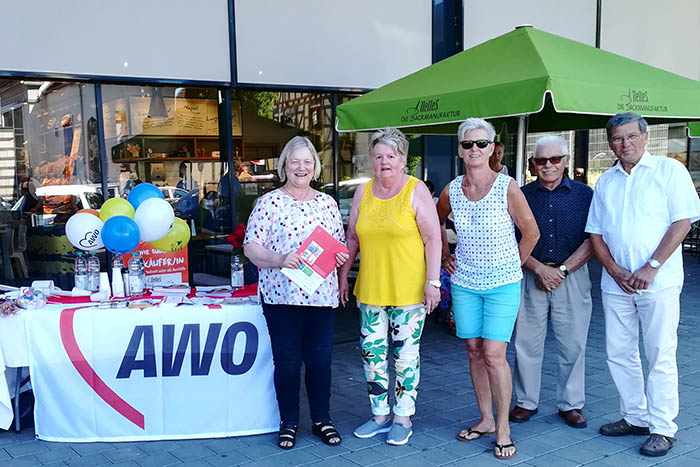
(432, 297)
(341, 258)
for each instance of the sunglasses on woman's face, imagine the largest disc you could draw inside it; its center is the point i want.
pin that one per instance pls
(480, 143)
(543, 160)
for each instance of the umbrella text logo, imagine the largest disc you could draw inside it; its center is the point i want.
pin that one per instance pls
(428, 109)
(637, 100)
(430, 105)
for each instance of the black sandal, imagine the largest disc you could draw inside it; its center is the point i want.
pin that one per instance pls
(287, 434)
(326, 431)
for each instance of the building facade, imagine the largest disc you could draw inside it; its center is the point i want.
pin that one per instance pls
(190, 95)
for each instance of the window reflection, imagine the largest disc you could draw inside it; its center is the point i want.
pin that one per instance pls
(50, 160)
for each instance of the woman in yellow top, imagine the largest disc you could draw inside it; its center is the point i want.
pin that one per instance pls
(393, 222)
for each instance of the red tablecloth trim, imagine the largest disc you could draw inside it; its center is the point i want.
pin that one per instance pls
(247, 291)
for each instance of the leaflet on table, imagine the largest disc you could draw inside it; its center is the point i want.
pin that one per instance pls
(318, 260)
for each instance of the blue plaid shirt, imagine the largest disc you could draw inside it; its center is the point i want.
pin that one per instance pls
(561, 217)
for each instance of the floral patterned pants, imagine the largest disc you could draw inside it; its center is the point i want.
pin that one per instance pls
(405, 325)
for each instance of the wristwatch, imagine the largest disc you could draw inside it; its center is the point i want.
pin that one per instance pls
(564, 269)
(434, 283)
(654, 264)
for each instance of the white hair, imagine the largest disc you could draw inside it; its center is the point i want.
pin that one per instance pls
(552, 139)
(392, 137)
(476, 124)
(296, 143)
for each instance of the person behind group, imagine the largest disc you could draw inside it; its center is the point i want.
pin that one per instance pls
(486, 273)
(393, 223)
(496, 158)
(555, 285)
(641, 211)
(301, 325)
(431, 188)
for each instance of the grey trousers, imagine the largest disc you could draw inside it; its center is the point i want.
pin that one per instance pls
(569, 307)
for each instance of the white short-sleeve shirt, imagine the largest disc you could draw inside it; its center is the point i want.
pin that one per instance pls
(632, 212)
(281, 224)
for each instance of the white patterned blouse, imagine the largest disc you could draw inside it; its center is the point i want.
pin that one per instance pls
(487, 252)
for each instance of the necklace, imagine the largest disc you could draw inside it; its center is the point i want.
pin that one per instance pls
(294, 197)
(480, 191)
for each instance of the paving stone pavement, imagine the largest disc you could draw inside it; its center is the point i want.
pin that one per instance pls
(446, 403)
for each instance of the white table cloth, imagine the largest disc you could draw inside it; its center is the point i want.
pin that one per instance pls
(5, 403)
(160, 373)
(13, 354)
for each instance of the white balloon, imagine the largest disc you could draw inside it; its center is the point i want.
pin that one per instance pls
(84, 231)
(155, 218)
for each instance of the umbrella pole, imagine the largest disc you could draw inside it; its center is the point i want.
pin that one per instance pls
(520, 150)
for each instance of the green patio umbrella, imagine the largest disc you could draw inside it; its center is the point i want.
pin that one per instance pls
(553, 82)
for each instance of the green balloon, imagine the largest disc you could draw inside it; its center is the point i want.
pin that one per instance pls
(176, 239)
(116, 207)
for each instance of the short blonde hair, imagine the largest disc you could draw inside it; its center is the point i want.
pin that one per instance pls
(393, 138)
(296, 143)
(476, 124)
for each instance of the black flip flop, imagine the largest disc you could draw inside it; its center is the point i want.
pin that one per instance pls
(472, 431)
(501, 447)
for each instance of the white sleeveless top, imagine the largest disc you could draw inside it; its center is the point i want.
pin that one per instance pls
(487, 253)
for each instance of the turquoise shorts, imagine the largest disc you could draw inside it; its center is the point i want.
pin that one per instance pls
(487, 313)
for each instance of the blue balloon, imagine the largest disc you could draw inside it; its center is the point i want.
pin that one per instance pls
(120, 235)
(142, 192)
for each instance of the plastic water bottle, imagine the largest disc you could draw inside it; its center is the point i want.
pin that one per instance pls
(80, 271)
(135, 279)
(93, 272)
(236, 273)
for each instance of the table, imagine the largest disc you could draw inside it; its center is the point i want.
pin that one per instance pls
(160, 373)
(13, 356)
(221, 248)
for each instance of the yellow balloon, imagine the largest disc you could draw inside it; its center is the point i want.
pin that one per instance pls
(116, 207)
(176, 239)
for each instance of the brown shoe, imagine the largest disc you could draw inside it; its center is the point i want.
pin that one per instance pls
(574, 418)
(622, 428)
(520, 415)
(657, 445)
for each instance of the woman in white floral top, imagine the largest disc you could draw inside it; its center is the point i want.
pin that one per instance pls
(301, 325)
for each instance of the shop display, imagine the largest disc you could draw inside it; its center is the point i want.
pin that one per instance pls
(8, 307)
(31, 299)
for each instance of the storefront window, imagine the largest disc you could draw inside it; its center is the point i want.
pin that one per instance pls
(50, 169)
(664, 140)
(694, 162)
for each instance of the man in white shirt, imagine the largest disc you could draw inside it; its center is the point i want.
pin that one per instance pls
(642, 209)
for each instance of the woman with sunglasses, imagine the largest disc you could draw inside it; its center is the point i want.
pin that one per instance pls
(486, 274)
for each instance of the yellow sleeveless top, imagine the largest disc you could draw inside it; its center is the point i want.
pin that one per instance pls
(392, 255)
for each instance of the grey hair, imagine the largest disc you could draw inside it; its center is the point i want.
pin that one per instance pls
(623, 119)
(393, 138)
(297, 142)
(476, 124)
(552, 139)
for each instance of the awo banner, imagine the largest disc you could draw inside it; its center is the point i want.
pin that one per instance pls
(123, 375)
